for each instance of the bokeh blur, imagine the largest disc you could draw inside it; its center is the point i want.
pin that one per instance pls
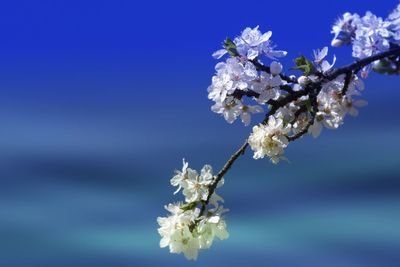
(101, 100)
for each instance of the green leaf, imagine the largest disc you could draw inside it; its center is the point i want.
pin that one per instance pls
(304, 65)
(230, 47)
(188, 206)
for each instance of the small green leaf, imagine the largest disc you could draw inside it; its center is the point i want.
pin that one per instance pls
(304, 65)
(230, 47)
(188, 206)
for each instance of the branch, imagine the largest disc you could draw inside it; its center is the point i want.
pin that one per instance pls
(309, 123)
(347, 81)
(356, 66)
(221, 174)
(276, 104)
(311, 90)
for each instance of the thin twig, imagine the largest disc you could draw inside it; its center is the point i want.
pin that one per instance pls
(221, 174)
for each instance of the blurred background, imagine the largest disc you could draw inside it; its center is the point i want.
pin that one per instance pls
(101, 100)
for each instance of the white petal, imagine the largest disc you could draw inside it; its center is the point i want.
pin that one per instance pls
(315, 129)
(164, 242)
(220, 53)
(246, 118)
(360, 103)
(214, 219)
(256, 109)
(252, 54)
(323, 53)
(265, 37)
(276, 53)
(353, 112)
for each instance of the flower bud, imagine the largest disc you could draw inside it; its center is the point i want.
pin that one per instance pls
(275, 68)
(336, 42)
(303, 80)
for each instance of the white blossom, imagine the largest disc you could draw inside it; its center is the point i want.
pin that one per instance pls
(269, 139)
(370, 36)
(228, 108)
(330, 113)
(231, 75)
(187, 229)
(211, 227)
(394, 24)
(246, 111)
(268, 87)
(286, 113)
(319, 59)
(252, 43)
(175, 232)
(350, 106)
(181, 176)
(344, 29)
(195, 188)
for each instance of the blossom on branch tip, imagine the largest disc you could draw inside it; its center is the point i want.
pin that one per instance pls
(175, 232)
(188, 228)
(251, 44)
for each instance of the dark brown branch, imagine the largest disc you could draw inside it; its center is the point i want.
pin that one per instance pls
(250, 93)
(221, 174)
(314, 110)
(347, 80)
(304, 130)
(276, 104)
(356, 66)
(240, 93)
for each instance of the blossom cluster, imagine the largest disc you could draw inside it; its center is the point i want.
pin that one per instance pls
(238, 76)
(187, 229)
(243, 75)
(369, 35)
(243, 78)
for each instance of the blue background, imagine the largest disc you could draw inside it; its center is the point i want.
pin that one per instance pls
(101, 100)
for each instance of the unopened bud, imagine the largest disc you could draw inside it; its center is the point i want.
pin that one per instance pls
(303, 80)
(275, 68)
(336, 42)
